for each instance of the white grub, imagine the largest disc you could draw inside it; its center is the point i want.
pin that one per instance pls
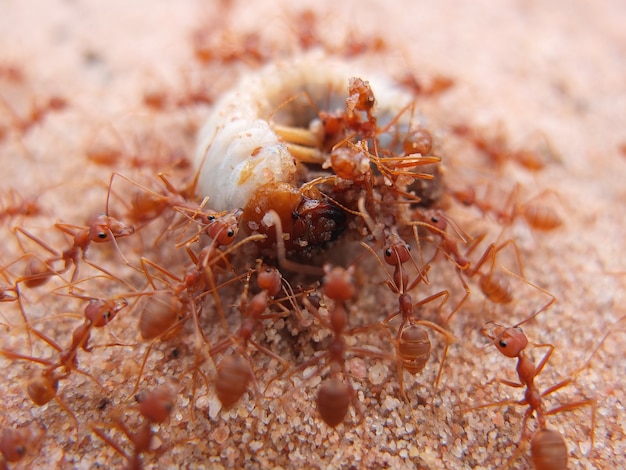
(238, 151)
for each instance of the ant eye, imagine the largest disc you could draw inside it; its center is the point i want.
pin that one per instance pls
(434, 219)
(503, 343)
(231, 232)
(102, 235)
(388, 252)
(211, 218)
(408, 247)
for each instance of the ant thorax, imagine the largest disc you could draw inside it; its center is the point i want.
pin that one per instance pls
(308, 139)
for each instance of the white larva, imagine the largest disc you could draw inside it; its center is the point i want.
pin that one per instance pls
(238, 151)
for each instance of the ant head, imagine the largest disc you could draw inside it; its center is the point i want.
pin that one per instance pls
(269, 279)
(510, 341)
(338, 282)
(100, 312)
(157, 404)
(437, 220)
(224, 229)
(104, 227)
(397, 252)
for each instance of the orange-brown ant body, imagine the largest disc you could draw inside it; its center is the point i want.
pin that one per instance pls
(547, 446)
(43, 386)
(102, 229)
(235, 372)
(155, 407)
(412, 342)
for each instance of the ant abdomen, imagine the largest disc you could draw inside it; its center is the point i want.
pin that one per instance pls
(333, 401)
(496, 288)
(233, 376)
(548, 450)
(541, 217)
(42, 389)
(159, 314)
(37, 273)
(414, 348)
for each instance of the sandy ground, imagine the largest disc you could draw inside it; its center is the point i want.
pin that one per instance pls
(533, 70)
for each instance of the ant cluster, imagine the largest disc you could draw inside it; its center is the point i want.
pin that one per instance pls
(239, 286)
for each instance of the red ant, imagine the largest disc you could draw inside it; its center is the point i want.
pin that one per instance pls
(437, 84)
(102, 229)
(42, 388)
(37, 113)
(15, 443)
(548, 448)
(164, 312)
(493, 284)
(15, 205)
(334, 395)
(155, 407)
(538, 215)
(412, 343)
(148, 205)
(233, 373)
(228, 48)
(305, 26)
(496, 148)
(157, 98)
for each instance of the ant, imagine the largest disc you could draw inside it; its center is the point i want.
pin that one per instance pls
(164, 312)
(548, 448)
(539, 216)
(14, 205)
(412, 342)
(102, 229)
(37, 113)
(155, 407)
(493, 284)
(334, 395)
(233, 373)
(147, 204)
(535, 157)
(43, 387)
(227, 48)
(437, 84)
(15, 443)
